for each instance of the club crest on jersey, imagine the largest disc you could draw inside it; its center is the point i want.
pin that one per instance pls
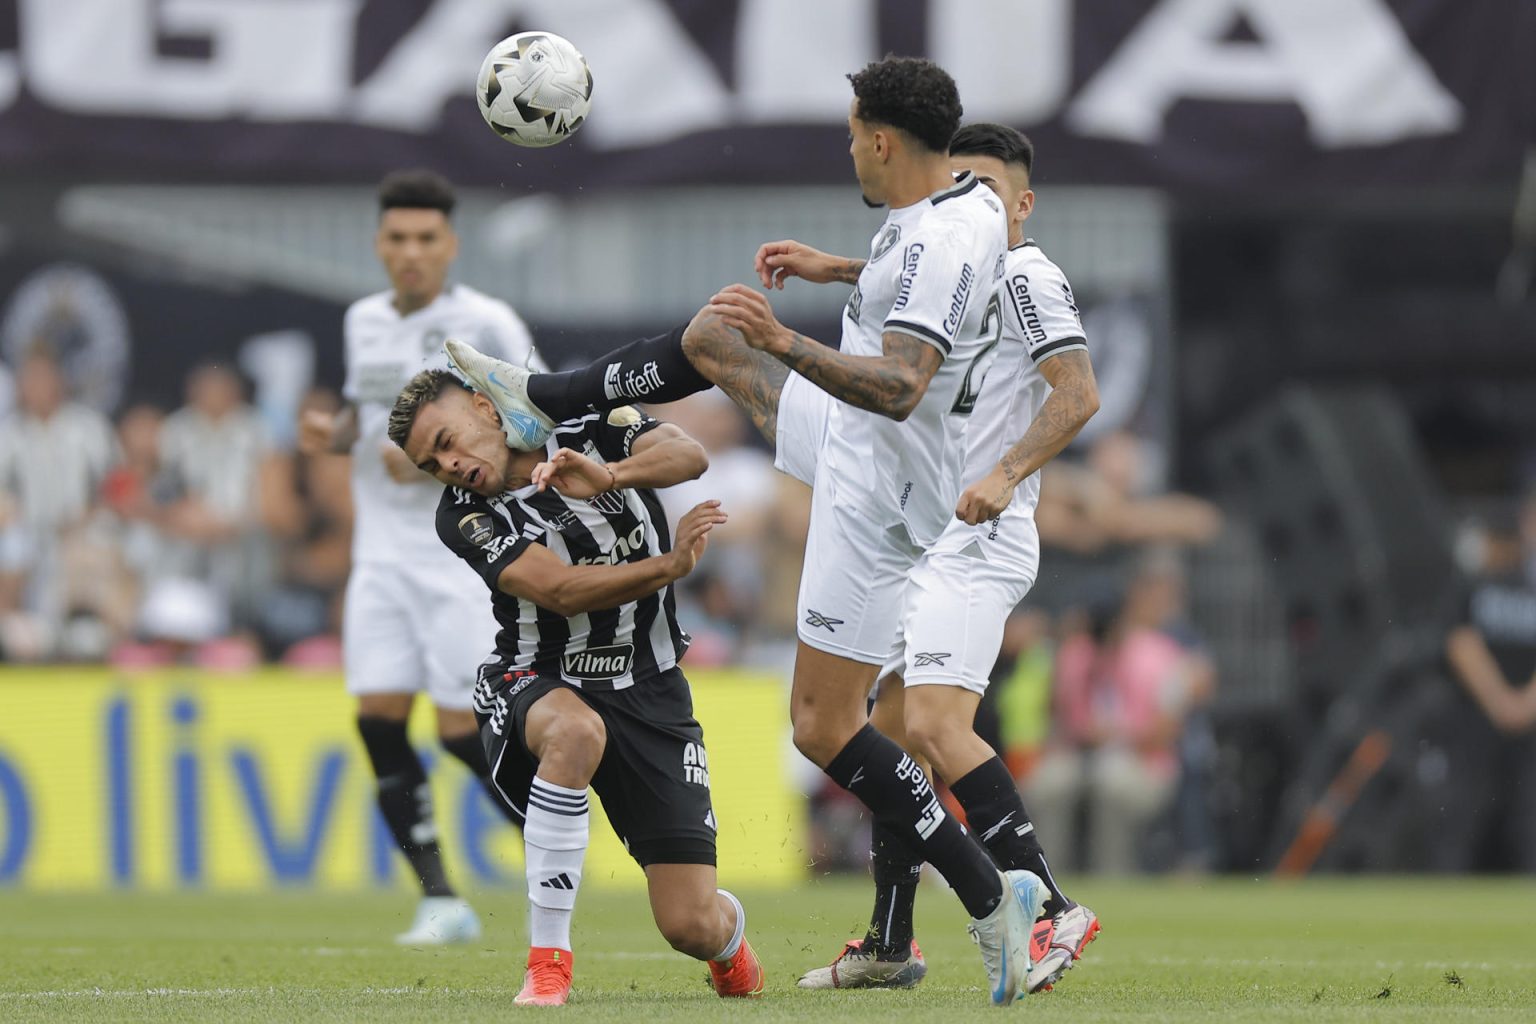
(598, 663)
(477, 528)
(609, 502)
(886, 242)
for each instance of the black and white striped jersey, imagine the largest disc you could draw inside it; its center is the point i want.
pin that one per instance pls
(608, 649)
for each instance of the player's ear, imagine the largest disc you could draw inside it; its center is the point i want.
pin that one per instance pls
(484, 407)
(1026, 204)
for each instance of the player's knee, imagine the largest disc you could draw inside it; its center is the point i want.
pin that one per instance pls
(928, 739)
(576, 742)
(815, 740)
(704, 341)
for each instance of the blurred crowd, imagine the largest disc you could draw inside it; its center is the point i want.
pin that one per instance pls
(169, 536)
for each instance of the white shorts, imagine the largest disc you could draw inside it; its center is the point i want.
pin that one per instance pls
(804, 411)
(957, 601)
(417, 626)
(855, 569)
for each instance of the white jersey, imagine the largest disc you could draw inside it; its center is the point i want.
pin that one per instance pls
(932, 267)
(396, 522)
(1032, 318)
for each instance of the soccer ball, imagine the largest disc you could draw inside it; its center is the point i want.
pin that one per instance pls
(534, 88)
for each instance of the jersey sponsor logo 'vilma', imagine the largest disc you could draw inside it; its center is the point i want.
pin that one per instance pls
(595, 663)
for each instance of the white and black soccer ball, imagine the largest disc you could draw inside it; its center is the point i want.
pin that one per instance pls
(534, 88)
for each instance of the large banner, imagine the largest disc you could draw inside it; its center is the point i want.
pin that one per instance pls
(1243, 95)
(181, 780)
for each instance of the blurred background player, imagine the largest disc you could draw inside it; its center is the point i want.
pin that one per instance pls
(584, 686)
(414, 621)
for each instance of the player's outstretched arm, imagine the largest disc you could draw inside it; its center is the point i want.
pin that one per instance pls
(538, 574)
(890, 384)
(660, 457)
(1073, 400)
(777, 262)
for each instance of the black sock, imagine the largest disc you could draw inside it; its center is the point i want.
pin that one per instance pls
(893, 786)
(897, 870)
(405, 800)
(996, 812)
(471, 751)
(649, 370)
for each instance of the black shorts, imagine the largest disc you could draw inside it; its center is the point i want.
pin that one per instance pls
(654, 775)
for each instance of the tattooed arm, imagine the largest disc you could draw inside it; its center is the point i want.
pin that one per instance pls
(1073, 400)
(777, 262)
(890, 384)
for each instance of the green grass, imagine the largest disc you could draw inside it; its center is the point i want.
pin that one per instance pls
(1337, 950)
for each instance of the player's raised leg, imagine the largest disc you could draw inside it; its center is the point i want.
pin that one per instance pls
(663, 368)
(653, 369)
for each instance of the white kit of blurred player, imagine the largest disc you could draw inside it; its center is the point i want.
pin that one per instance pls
(416, 620)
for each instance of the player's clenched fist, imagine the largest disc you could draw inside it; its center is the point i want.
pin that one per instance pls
(692, 535)
(985, 499)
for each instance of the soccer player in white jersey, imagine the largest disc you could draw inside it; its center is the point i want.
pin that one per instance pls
(887, 456)
(414, 622)
(1039, 391)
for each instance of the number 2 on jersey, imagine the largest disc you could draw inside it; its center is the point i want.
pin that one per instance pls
(976, 373)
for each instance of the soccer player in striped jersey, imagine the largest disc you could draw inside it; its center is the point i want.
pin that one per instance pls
(1038, 393)
(411, 626)
(584, 686)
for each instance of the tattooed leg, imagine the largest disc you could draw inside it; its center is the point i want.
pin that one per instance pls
(754, 380)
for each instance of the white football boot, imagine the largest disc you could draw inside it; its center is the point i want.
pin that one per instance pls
(1003, 935)
(441, 921)
(506, 385)
(1058, 944)
(858, 967)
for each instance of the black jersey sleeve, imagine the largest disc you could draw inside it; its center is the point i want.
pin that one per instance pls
(614, 434)
(486, 537)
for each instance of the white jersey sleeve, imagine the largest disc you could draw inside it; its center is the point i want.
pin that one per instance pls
(1040, 304)
(505, 336)
(350, 384)
(937, 279)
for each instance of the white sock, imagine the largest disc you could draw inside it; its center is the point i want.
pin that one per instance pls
(555, 838)
(734, 945)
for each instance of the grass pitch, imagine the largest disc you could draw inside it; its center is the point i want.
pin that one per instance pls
(1335, 950)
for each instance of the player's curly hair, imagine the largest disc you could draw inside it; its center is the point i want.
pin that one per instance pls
(423, 389)
(912, 94)
(1009, 145)
(417, 190)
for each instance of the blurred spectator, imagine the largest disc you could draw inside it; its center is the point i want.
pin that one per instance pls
(230, 486)
(54, 454)
(1121, 690)
(1111, 500)
(1020, 693)
(310, 514)
(1492, 655)
(1157, 599)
